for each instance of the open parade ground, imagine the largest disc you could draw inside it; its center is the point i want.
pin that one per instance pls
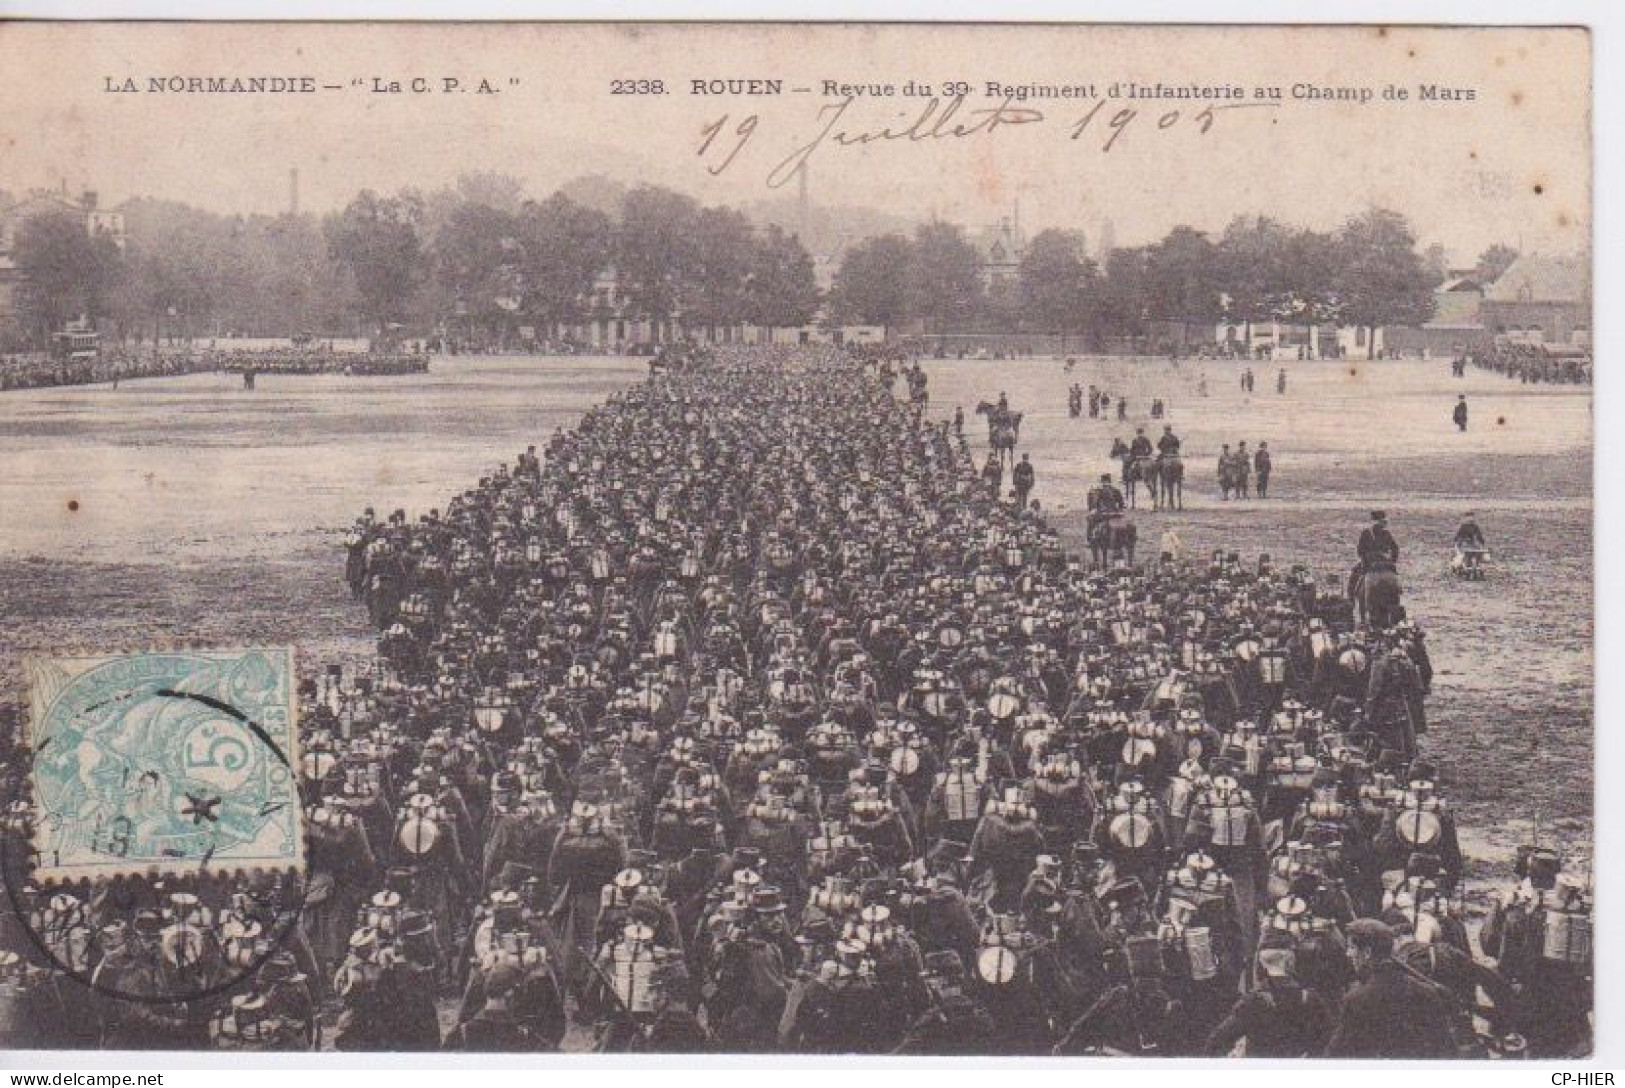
(193, 509)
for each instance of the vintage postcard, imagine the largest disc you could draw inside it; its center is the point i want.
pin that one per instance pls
(797, 539)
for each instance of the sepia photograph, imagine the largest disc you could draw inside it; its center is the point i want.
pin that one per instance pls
(797, 539)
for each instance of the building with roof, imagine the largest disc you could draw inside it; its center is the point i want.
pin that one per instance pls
(98, 221)
(1000, 247)
(1541, 300)
(1457, 325)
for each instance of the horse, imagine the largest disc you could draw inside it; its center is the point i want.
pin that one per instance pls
(1113, 538)
(1376, 594)
(1136, 470)
(1132, 472)
(1393, 702)
(1003, 429)
(1168, 482)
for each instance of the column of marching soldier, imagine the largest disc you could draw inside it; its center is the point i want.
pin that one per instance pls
(745, 717)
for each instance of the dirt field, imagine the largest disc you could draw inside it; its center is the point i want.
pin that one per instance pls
(1511, 710)
(189, 509)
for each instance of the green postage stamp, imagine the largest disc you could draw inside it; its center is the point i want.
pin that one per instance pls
(164, 762)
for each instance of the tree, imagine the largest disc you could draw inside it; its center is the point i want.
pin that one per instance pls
(1493, 263)
(1123, 310)
(191, 272)
(493, 189)
(1184, 279)
(66, 272)
(564, 248)
(376, 238)
(1310, 270)
(724, 245)
(655, 251)
(1252, 257)
(172, 254)
(946, 285)
(1057, 283)
(597, 191)
(477, 259)
(298, 287)
(1380, 279)
(1436, 263)
(781, 289)
(872, 284)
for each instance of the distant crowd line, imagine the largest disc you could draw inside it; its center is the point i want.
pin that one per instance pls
(39, 370)
(1529, 363)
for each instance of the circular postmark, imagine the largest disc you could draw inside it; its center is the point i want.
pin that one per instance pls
(162, 861)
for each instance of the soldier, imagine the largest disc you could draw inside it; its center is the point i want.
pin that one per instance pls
(1005, 848)
(956, 1023)
(1459, 414)
(1540, 935)
(1390, 1013)
(1244, 467)
(1022, 478)
(835, 1007)
(1104, 501)
(365, 1001)
(132, 963)
(1262, 468)
(1279, 1018)
(495, 1027)
(993, 473)
(1377, 546)
(278, 1013)
(1168, 443)
(1137, 1017)
(586, 856)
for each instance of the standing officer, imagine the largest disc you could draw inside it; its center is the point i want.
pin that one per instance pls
(1261, 468)
(1022, 478)
(1460, 414)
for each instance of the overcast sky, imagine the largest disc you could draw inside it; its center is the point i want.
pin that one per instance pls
(1512, 164)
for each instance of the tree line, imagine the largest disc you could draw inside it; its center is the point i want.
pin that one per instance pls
(1366, 273)
(479, 259)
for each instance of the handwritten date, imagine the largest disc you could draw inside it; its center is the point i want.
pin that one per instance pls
(724, 140)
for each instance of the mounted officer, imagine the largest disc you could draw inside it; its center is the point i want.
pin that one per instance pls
(1377, 549)
(1104, 501)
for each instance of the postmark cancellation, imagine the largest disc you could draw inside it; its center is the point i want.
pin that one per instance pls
(164, 762)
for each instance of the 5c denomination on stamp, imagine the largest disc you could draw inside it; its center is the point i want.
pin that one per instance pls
(168, 762)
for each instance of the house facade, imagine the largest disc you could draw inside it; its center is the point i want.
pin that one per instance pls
(98, 221)
(1541, 300)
